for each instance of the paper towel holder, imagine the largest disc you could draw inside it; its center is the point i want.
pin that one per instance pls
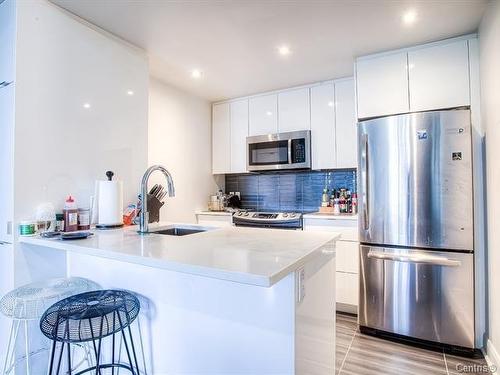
(109, 175)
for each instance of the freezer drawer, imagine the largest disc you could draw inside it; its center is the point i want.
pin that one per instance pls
(418, 293)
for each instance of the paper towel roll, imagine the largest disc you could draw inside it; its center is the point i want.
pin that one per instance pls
(110, 203)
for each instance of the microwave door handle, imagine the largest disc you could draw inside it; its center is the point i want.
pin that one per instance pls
(365, 174)
(289, 151)
(417, 258)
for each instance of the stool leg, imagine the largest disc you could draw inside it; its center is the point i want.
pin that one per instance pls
(95, 348)
(113, 345)
(14, 329)
(69, 358)
(52, 357)
(133, 348)
(98, 368)
(122, 329)
(27, 348)
(60, 359)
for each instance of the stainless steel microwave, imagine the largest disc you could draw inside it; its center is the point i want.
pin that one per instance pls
(290, 150)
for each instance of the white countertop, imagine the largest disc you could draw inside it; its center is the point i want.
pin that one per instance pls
(246, 255)
(319, 215)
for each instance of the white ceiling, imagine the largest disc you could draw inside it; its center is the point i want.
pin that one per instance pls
(235, 42)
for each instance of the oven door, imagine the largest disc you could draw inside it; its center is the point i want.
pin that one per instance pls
(279, 151)
(418, 293)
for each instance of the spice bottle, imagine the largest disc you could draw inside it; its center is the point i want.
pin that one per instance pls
(354, 203)
(70, 213)
(59, 223)
(324, 198)
(83, 218)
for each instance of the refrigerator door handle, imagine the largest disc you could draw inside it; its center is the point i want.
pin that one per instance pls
(290, 161)
(415, 258)
(365, 173)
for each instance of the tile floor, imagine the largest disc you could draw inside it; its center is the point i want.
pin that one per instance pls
(358, 354)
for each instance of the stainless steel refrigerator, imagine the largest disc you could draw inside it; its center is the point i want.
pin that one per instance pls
(416, 226)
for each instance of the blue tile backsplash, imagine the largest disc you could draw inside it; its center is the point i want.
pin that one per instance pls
(288, 191)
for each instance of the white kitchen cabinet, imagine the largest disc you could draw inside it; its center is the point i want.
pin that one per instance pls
(6, 161)
(347, 291)
(221, 138)
(239, 133)
(214, 219)
(382, 85)
(263, 115)
(345, 124)
(347, 255)
(294, 110)
(7, 40)
(439, 76)
(323, 126)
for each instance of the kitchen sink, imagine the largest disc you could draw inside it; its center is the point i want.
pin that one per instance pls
(181, 231)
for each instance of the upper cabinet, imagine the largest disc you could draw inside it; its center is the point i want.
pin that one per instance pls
(382, 84)
(294, 110)
(7, 41)
(439, 76)
(429, 77)
(263, 115)
(239, 133)
(221, 138)
(346, 124)
(333, 125)
(324, 154)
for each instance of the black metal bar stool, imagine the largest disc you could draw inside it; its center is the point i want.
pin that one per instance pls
(92, 316)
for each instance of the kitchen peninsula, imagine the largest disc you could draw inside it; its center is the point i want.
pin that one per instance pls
(226, 300)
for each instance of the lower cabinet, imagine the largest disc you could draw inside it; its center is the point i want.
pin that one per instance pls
(347, 257)
(214, 219)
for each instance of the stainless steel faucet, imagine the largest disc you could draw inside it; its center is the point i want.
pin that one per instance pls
(144, 216)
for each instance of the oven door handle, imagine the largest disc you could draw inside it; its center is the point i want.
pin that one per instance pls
(290, 151)
(415, 258)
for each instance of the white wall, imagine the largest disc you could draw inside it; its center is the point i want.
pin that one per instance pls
(489, 42)
(180, 139)
(61, 148)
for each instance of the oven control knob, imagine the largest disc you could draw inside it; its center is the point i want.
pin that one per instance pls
(285, 215)
(293, 215)
(239, 213)
(246, 214)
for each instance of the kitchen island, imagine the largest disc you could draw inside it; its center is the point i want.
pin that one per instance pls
(221, 301)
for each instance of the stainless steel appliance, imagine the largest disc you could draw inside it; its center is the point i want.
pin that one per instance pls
(290, 150)
(416, 226)
(276, 220)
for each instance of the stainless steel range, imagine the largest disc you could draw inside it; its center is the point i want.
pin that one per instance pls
(277, 220)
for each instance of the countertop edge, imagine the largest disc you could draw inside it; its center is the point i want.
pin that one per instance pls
(168, 265)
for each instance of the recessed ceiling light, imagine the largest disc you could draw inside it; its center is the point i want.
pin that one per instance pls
(196, 73)
(410, 17)
(86, 105)
(269, 113)
(284, 50)
(330, 104)
(130, 92)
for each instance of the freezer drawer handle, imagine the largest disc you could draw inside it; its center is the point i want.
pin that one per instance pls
(425, 259)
